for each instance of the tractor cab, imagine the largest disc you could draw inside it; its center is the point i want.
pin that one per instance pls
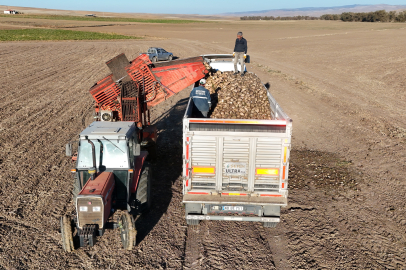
(115, 146)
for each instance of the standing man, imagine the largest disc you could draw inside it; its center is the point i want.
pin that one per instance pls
(240, 53)
(201, 98)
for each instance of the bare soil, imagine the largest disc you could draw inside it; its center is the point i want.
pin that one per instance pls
(344, 87)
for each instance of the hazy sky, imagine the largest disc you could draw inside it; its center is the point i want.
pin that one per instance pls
(187, 6)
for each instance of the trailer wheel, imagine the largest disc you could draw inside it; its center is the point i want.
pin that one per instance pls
(143, 195)
(66, 232)
(127, 231)
(192, 222)
(270, 224)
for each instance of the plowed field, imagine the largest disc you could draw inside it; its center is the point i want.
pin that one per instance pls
(344, 89)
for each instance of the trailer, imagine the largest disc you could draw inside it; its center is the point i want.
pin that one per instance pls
(235, 169)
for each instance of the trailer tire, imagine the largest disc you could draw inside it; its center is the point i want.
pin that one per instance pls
(192, 222)
(128, 232)
(66, 232)
(270, 224)
(143, 194)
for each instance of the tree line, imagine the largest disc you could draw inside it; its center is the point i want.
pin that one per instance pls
(376, 16)
(272, 18)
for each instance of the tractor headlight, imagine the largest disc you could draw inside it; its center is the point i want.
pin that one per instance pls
(83, 208)
(96, 209)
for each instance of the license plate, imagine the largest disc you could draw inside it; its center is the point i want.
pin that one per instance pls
(233, 208)
(235, 168)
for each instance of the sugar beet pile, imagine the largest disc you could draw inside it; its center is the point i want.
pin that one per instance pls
(237, 97)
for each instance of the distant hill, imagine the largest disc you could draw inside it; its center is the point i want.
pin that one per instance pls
(45, 11)
(317, 11)
(307, 11)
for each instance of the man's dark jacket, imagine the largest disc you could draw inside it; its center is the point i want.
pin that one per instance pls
(201, 98)
(241, 45)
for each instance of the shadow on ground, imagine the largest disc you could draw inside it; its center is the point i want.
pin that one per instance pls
(167, 167)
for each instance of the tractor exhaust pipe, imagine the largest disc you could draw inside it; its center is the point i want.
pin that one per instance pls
(92, 171)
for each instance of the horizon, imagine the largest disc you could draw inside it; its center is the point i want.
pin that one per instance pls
(259, 6)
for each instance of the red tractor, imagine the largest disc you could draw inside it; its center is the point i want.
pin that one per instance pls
(111, 173)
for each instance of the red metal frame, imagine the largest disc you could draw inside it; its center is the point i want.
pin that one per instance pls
(105, 92)
(149, 133)
(174, 78)
(154, 86)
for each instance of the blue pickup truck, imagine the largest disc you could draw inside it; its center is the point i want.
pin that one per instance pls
(158, 54)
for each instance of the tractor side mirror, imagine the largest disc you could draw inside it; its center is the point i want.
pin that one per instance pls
(68, 149)
(137, 150)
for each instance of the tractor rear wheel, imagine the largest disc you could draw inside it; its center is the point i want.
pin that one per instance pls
(66, 231)
(143, 195)
(127, 231)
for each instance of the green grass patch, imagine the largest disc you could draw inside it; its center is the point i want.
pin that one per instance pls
(103, 19)
(55, 34)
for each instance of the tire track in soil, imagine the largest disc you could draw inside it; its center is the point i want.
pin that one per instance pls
(226, 245)
(277, 245)
(193, 248)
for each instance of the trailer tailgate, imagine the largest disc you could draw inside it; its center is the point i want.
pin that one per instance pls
(225, 159)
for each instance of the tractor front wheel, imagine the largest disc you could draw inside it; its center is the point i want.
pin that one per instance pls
(127, 231)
